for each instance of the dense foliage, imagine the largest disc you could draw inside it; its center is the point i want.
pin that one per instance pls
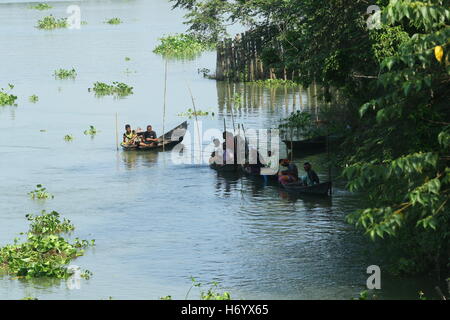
(394, 78)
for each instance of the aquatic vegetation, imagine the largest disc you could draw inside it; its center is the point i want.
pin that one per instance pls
(191, 113)
(33, 99)
(49, 223)
(271, 83)
(127, 58)
(41, 6)
(117, 89)
(182, 46)
(68, 137)
(50, 23)
(92, 131)
(114, 21)
(7, 99)
(40, 193)
(65, 73)
(44, 253)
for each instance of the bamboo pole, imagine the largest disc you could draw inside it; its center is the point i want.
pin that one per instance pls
(117, 133)
(196, 119)
(164, 108)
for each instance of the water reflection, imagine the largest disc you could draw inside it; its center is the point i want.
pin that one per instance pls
(135, 159)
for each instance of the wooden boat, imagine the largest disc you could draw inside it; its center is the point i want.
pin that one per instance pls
(319, 142)
(323, 188)
(171, 139)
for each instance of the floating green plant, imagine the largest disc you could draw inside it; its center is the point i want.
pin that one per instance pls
(127, 58)
(191, 113)
(276, 83)
(92, 131)
(50, 23)
(44, 253)
(33, 99)
(182, 46)
(41, 6)
(40, 193)
(68, 137)
(114, 21)
(65, 73)
(118, 89)
(7, 99)
(49, 223)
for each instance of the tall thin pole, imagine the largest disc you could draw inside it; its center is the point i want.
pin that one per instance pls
(164, 107)
(117, 133)
(196, 120)
(329, 163)
(231, 106)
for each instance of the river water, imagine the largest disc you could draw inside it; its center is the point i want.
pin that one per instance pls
(157, 223)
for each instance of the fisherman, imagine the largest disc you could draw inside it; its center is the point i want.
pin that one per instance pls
(129, 137)
(290, 175)
(216, 155)
(311, 176)
(149, 138)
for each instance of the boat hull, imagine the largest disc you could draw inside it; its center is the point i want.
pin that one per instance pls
(317, 189)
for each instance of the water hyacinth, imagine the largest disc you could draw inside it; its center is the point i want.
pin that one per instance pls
(50, 23)
(117, 89)
(182, 46)
(65, 73)
(41, 6)
(44, 253)
(7, 99)
(114, 21)
(33, 98)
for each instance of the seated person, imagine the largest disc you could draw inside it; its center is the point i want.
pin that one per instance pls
(311, 176)
(149, 138)
(216, 155)
(129, 137)
(290, 175)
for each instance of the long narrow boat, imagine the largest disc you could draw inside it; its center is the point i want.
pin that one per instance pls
(323, 188)
(171, 139)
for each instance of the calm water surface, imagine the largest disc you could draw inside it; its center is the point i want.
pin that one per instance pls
(156, 223)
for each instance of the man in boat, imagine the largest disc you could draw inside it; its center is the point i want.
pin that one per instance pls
(290, 175)
(129, 137)
(311, 177)
(216, 155)
(149, 138)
